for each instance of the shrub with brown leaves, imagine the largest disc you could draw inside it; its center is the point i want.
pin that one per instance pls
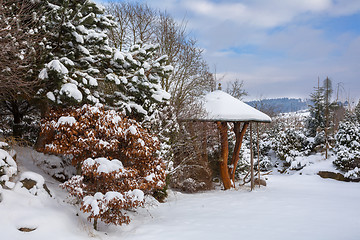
(117, 157)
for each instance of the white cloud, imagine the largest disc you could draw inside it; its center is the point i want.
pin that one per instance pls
(289, 51)
(262, 14)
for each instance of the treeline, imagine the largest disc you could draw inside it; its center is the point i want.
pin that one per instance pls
(281, 105)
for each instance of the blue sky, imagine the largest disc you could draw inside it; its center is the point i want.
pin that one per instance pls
(278, 48)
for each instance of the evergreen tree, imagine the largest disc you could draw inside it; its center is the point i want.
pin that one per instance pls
(81, 67)
(357, 111)
(134, 83)
(290, 144)
(77, 47)
(348, 147)
(316, 118)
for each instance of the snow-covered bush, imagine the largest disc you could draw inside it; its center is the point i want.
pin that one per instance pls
(265, 164)
(289, 144)
(8, 166)
(348, 148)
(106, 189)
(33, 183)
(58, 167)
(92, 131)
(116, 156)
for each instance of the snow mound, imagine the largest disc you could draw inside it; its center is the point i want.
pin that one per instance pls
(8, 168)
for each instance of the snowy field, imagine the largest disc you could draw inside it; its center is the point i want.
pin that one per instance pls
(291, 207)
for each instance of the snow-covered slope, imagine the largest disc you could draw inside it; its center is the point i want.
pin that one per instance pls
(291, 207)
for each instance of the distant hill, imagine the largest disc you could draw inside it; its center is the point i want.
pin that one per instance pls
(280, 105)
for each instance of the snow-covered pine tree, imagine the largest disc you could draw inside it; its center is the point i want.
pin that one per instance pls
(134, 83)
(290, 144)
(357, 111)
(348, 147)
(316, 118)
(76, 46)
(81, 67)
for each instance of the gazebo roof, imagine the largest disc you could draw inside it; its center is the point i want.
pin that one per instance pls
(220, 106)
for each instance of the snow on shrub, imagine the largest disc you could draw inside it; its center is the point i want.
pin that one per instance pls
(95, 132)
(348, 148)
(8, 166)
(290, 145)
(106, 188)
(116, 156)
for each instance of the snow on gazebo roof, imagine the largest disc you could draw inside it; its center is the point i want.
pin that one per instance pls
(220, 106)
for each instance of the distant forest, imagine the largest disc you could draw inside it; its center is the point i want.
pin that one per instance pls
(281, 105)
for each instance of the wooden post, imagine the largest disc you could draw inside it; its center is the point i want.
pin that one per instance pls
(204, 153)
(258, 152)
(224, 171)
(251, 160)
(239, 137)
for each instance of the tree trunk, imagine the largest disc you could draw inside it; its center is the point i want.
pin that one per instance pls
(17, 128)
(95, 224)
(224, 171)
(239, 137)
(41, 139)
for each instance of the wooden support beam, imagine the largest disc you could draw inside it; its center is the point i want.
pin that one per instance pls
(258, 151)
(239, 137)
(204, 154)
(224, 171)
(251, 160)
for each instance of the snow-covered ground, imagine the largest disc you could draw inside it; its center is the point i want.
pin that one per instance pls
(292, 206)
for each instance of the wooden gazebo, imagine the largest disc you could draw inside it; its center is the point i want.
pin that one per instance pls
(222, 108)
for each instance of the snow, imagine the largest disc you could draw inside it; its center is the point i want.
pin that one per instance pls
(220, 106)
(33, 176)
(78, 37)
(132, 129)
(3, 145)
(161, 95)
(83, 50)
(105, 165)
(67, 61)
(92, 81)
(66, 120)
(292, 206)
(150, 177)
(57, 66)
(71, 90)
(51, 96)
(8, 164)
(118, 56)
(43, 74)
(136, 194)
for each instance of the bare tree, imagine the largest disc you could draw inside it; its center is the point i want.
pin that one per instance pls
(135, 23)
(236, 89)
(19, 48)
(19, 40)
(138, 22)
(191, 76)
